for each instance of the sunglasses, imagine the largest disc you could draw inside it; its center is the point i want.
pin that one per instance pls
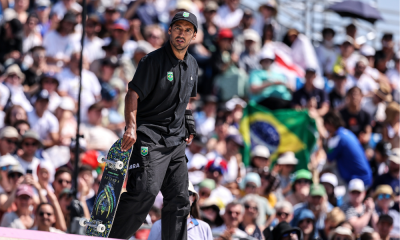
(5, 168)
(204, 194)
(282, 214)
(308, 221)
(250, 207)
(303, 181)
(384, 196)
(14, 175)
(9, 141)
(33, 144)
(289, 233)
(45, 213)
(60, 181)
(191, 193)
(232, 212)
(251, 186)
(341, 238)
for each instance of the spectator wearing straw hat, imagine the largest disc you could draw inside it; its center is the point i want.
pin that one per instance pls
(13, 80)
(341, 233)
(383, 197)
(9, 138)
(376, 104)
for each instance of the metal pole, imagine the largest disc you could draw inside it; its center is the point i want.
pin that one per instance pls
(78, 136)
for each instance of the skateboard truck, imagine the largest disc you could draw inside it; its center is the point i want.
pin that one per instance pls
(111, 163)
(95, 224)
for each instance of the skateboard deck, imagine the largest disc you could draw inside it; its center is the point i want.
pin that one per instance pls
(108, 195)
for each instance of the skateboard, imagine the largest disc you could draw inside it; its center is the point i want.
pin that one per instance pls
(107, 199)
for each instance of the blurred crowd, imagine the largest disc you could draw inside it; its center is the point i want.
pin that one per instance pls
(350, 189)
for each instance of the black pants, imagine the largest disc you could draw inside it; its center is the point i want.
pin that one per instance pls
(159, 168)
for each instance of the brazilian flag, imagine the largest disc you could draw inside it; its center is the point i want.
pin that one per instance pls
(279, 130)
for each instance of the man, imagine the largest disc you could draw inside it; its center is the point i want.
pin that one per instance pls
(356, 119)
(359, 214)
(310, 97)
(156, 118)
(45, 216)
(385, 226)
(317, 202)
(205, 119)
(62, 180)
(93, 44)
(30, 143)
(8, 140)
(392, 177)
(378, 162)
(43, 121)
(347, 59)
(344, 148)
(361, 79)
(376, 104)
(327, 52)
(337, 97)
(232, 217)
(229, 15)
(249, 59)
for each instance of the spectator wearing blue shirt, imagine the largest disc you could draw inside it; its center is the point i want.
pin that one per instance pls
(346, 150)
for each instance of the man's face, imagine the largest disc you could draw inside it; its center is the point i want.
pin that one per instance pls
(181, 33)
(94, 116)
(111, 16)
(23, 202)
(347, 49)
(204, 193)
(209, 15)
(43, 12)
(233, 216)
(356, 197)
(302, 186)
(316, 202)
(355, 98)
(30, 146)
(266, 63)
(225, 44)
(8, 145)
(62, 181)
(41, 105)
(310, 76)
(50, 85)
(68, 26)
(384, 228)
(284, 215)
(46, 216)
(39, 56)
(260, 162)
(360, 68)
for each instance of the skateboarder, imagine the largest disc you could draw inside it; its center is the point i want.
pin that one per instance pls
(158, 125)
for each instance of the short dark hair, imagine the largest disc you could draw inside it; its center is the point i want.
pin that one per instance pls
(85, 168)
(351, 90)
(62, 170)
(42, 204)
(386, 218)
(21, 121)
(333, 118)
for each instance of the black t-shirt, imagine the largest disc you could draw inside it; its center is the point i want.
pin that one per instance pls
(164, 85)
(301, 97)
(336, 100)
(31, 78)
(355, 122)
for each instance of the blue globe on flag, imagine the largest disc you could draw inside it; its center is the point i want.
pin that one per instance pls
(263, 133)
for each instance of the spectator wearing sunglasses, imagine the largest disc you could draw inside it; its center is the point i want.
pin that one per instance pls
(342, 233)
(8, 140)
(305, 220)
(232, 217)
(283, 231)
(383, 197)
(210, 213)
(22, 217)
(62, 180)
(15, 178)
(30, 144)
(249, 224)
(6, 162)
(284, 213)
(332, 221)
(45, 215)
(197, 229)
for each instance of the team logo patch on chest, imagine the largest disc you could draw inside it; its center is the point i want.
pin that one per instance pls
(144, 151)
(170, 76)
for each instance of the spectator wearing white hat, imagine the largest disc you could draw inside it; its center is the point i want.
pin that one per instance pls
(268, 87)
(8, 140)
(67, 122)
(260, 158)
(285, 165)
(6, 162)
(330, 181)
(361, 78)
(30, 143)
(13, 80)
(358, 212)
(248, 59)
(229, 15)
(197, 229)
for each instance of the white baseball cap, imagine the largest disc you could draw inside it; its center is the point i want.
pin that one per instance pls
(266, 53)
(356, 185)
(67, 103)
(395, 155)
(367, 51)
(191, 188)
(260, 151)
(287, 158)
(329, 178)
(8, 160)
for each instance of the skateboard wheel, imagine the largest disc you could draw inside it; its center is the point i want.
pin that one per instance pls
(101, 228)
(100, 159)
(119, 165)
(82, 222)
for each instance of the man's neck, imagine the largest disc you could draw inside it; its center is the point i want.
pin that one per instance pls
(179, 54)
(27, 158)
(353, 109)
(40, 114)
(308, 86)
(43, 228)
(75, 71)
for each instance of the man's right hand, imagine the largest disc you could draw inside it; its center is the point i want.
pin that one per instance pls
(128, 139)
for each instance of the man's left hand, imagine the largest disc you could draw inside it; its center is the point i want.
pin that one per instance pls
(189, 140)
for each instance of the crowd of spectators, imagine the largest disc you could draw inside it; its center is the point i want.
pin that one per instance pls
(350, 190)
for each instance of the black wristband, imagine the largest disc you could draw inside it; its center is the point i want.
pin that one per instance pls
(189, 123)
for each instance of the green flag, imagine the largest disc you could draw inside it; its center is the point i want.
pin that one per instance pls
(280, 130)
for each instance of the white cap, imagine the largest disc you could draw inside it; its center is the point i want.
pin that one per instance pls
(67, 103)
(395, 155)
(260, 151)
(267, 53)
(356, 185)
(231, 104)
(329, 178)
(250, 34)
(287, 158)
(191, 188)
(367, 51)
(8, 160)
